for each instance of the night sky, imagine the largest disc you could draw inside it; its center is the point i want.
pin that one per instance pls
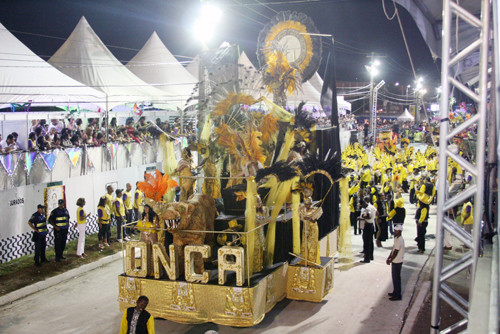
(358, 26)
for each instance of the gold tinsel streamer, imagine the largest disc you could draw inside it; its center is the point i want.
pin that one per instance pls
(279, 194)
(276, 198)
(296, 216)
(169, 162)
(250, 216)
(344, 243)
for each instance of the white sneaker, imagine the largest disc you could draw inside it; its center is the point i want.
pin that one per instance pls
(119, 240)
(126, 239)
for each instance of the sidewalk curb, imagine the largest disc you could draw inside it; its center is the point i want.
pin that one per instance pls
(423, 288)
(415, 308)
(39, 286)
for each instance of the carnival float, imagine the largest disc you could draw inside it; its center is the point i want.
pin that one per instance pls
(254, 220)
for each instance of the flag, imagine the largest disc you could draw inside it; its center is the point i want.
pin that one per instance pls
(137, 110)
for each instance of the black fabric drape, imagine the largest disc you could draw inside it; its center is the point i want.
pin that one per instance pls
(330, 142)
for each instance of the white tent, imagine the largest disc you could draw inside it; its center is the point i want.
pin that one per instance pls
(251, 78)
(316, 82)
(26, 77)
(85, 58)
(405, 116)
(156, 65)
(342, 105)
(306, 93)
(193, 67)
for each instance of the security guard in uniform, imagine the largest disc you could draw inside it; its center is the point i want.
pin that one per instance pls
(38, 222)
(59, 219)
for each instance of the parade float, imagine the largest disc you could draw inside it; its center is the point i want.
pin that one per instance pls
(232, 245)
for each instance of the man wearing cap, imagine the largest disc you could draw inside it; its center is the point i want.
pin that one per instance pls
(38, 223)
(59, 219)
(395, 259)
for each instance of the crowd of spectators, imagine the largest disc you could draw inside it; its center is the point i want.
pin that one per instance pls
(72, 133)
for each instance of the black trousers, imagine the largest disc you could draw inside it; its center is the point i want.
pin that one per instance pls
(396, 279)
(421, 231)
(119, 222)
(368, 242)
(413, 198)
(405, 186)
(355, 222)
(383, 229)
(40, 245)
(129, 214)
(60, 238)
(103, 233)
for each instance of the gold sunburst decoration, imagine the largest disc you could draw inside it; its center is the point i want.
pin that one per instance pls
(290, 33)
(286, 27)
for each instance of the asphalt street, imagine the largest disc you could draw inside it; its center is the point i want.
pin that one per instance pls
(357, 304)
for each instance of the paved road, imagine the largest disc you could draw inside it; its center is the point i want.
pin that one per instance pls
(358, 303)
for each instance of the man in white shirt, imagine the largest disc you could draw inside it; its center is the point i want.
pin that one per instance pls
(396, 261)
(57, 126)
(368, 215)
(8, 144)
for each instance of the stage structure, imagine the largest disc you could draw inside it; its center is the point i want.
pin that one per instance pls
(469, 261)
(229, 252)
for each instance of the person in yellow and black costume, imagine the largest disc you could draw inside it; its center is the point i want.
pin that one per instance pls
(103, 219)
(398, 213)
(59, 219)
(136, 320)
(467, 214)
(366, 177)
(355, 206)
(38, 222)
(424, 197)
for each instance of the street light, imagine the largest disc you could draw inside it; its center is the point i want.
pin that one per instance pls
(372, 69)
(204, 25)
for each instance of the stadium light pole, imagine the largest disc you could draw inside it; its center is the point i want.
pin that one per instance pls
(372, 69)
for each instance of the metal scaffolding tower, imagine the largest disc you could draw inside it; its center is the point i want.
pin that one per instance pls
(441, 290)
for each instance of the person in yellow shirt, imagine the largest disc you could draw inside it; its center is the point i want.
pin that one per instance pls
(424, 196)
(81, 222)
(366, 177)
(467, 215)
(129, 207)
(103, 219)
(138, 197)
(109, 206)
(137, 320)
(119, 211)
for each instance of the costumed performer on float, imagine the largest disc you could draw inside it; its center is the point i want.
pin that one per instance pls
(148, 225)
(309, 214)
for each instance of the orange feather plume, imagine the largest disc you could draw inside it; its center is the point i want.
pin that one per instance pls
(156, 186)
(269, 127)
